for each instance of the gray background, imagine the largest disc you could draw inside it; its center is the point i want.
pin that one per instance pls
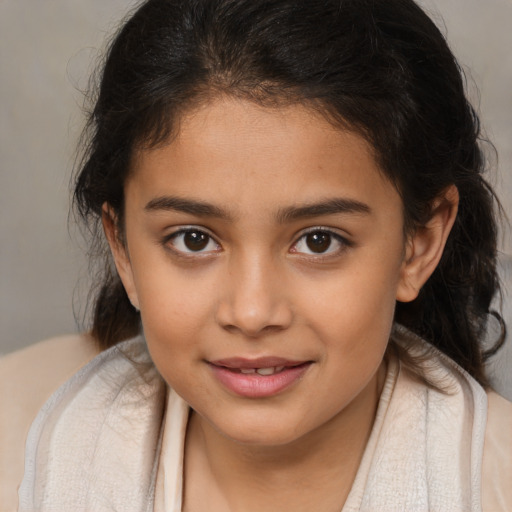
(47, 51)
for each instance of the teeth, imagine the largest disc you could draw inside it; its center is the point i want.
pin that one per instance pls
(262, 371)
(266, 371)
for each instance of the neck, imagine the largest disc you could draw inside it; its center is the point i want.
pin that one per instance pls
(314, 472)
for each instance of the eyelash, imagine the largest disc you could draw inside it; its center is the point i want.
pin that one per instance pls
(170, 243)
(334, 237)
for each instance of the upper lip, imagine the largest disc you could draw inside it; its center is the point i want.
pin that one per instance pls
(260, 362)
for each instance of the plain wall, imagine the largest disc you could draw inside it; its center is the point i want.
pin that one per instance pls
(47, 51)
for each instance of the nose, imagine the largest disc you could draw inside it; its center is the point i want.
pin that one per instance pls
(254, 299)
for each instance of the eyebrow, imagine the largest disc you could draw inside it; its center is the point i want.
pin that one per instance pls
(190, 206)
(327, 207)
(291, 213)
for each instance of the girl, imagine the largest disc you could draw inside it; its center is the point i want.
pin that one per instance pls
(303, 254)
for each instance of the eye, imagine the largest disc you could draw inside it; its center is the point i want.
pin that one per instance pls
(319, 242)
(192, 241)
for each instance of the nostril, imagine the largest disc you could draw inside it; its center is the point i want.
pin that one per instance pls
(230, 328)
(253, 333)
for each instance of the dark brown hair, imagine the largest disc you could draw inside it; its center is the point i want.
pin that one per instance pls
(379, 67)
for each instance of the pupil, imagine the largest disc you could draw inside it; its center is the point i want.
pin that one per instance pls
(318, 242)
(195, 240)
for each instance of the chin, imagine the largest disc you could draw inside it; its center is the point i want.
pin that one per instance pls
(259, 432)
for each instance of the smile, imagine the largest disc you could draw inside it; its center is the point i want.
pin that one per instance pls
(259, 378)
(262, 371)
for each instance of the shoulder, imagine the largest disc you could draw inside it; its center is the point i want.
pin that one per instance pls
(495, 425)
(108, 416)
(497, 460)
(28, 378)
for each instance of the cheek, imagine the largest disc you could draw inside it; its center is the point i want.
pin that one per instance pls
(355, 332)
(353, 312)
(173, 324)
(359, 298)
(176, 308)
(170, 296)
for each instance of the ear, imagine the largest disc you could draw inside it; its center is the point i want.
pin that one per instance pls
(119, 252)
(425, 246)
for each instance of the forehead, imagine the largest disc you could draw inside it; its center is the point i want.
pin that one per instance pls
(251, 156)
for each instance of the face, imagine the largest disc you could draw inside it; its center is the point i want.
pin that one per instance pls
(265, 251)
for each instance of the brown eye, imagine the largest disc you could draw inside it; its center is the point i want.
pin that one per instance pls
(195, 240)
(192, 241)
(319, 241)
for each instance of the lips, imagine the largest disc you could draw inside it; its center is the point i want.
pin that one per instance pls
(258, 378)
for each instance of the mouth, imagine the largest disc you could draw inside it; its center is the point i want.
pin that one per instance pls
(262, 371)
(258, 378)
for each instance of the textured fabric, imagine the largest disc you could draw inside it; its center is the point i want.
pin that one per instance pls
(28, 378)
(425, 450)
(96, 444)
(497, 462)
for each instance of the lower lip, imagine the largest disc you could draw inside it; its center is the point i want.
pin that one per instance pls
(253, 385)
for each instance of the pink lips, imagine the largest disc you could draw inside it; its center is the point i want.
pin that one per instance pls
(258, 378)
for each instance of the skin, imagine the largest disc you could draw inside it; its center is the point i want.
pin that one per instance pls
(257, 289)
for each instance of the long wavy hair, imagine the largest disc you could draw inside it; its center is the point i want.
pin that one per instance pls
(378, 67)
